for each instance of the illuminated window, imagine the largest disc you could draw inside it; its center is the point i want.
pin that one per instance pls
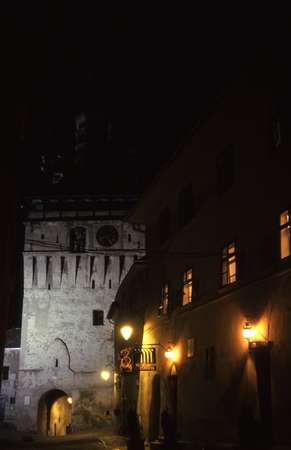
(285, 232)
(164, 305)
(229, 264)
(190, 347)
(187, 287)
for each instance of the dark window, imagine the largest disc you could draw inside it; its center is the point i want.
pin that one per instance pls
(129, 238)
(280, 118)
(34, 271)
(98, 317)
(164, 226)
(5, 373)
(225, 170)
(56, 363)
(12, 400)
(210, 363)
(93, 284)
(78, 239)
(186, 206)
(109, 284)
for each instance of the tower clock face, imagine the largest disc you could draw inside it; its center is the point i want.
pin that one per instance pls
(107, 235)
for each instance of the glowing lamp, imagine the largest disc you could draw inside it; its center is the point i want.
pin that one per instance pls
(126, 332)
(170, 353)
(105, 375)
(248, 332)
(69, 400)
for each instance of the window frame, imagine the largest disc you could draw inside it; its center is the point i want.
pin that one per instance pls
(187, 284)
(164, 300)
(282, 228)
(77, 243)
(190, 347)
(226, 259)
(97, 314)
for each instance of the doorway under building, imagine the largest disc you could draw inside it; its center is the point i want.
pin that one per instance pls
(54, 413)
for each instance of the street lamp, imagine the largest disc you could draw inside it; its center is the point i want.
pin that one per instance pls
(170, 353)
(248, 332)
(126, 332)
(105, 375)
(254, 337)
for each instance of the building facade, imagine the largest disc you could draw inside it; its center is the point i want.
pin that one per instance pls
(10, 377)
(77, 251)
(218, 276)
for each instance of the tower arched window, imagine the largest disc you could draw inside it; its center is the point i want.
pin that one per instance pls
(78, 239)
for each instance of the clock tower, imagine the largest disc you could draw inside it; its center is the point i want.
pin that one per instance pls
(77, 252)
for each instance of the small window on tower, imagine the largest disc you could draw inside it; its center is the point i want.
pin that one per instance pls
(78, 239)
(98, 317)
(56, 363)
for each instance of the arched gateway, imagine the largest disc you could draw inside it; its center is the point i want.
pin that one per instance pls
(54, 413)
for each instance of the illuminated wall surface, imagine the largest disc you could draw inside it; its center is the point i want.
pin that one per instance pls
(224, 256)
(60, 417)
(66, 339)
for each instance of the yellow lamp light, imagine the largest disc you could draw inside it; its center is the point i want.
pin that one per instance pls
(248, 332)
(126, 332)
(105, 375)
(170, 353)
(69, 400)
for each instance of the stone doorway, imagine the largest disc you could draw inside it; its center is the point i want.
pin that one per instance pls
(54, 413)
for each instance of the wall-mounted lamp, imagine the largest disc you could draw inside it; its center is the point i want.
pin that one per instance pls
(105, 375)
(126, 332)
(170, 352)
(69, 400)
(248, 332)
(254, 338)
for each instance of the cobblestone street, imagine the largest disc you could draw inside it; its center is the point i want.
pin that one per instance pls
(12, 440)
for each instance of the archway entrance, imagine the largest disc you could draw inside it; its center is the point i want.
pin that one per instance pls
(54, 413)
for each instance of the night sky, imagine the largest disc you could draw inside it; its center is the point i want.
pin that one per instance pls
(143, 76)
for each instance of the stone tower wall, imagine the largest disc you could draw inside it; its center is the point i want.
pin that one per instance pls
(61, 349)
